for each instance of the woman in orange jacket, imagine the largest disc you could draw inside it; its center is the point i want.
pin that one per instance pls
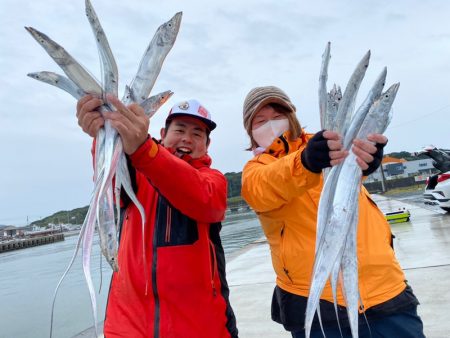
(282, 183)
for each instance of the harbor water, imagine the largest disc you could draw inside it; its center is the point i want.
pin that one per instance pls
(28, 279)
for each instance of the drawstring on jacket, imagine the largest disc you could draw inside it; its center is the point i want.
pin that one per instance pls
(212, 264)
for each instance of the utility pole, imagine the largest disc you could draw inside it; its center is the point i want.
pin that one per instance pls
(383, 182)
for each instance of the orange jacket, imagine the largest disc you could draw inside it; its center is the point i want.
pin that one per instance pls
(285, 196)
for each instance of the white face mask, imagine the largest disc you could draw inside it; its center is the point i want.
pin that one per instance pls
(269, 131)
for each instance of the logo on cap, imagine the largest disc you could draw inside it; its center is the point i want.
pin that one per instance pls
(203, 112)
(184, 105)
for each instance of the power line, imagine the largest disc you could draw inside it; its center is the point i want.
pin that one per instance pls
(420, 117)
(22, 218)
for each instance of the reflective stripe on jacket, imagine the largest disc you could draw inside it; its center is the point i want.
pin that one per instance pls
(285, 196)
(185, 293)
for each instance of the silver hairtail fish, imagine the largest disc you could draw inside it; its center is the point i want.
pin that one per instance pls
(336, 244)
(110, 161)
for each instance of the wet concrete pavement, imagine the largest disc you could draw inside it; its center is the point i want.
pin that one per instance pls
(423, 249)
(422, 246)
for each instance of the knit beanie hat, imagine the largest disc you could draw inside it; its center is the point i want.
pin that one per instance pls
(259, 97)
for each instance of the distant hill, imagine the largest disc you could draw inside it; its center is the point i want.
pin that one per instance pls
(234, 184)
(75, 216)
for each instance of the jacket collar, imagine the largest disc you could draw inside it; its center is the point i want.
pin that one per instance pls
(282, 145)
(204, 161)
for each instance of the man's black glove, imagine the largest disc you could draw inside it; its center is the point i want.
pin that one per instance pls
(377, 158)
(316, 155)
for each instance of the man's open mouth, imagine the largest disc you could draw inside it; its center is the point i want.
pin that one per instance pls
(184, 150)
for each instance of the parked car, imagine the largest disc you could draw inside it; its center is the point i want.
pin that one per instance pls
(437, 189)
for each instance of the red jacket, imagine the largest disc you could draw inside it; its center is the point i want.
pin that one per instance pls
(187, 294)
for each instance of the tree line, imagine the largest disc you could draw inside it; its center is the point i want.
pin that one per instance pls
(76, 216)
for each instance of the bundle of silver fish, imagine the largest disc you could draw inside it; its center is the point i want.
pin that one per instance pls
(336, 255)
(110, 160)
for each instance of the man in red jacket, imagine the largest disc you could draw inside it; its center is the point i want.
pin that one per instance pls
(185, 201)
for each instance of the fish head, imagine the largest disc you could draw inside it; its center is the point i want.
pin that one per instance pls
(165, 96)
(35, 76)
(40, 37)
(111, 257)
(168, 31)
(381, 109)
(114, 265)
(129, 95)
(44, 76)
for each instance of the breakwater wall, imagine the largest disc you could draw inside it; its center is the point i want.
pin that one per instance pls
(23, 243)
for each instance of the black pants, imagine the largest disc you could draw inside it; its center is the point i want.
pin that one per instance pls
(403, 324)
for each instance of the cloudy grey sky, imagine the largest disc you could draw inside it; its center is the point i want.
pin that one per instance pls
(224, 49)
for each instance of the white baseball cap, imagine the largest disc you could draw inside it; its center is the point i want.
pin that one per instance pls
(192, 108)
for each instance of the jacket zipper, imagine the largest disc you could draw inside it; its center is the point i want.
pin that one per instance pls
(286, 271)
(156, 317)
(285, 144)
(168, 223)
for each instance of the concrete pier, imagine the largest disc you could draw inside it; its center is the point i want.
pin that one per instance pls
(421, 245)
(23, 243)
(423, 249)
